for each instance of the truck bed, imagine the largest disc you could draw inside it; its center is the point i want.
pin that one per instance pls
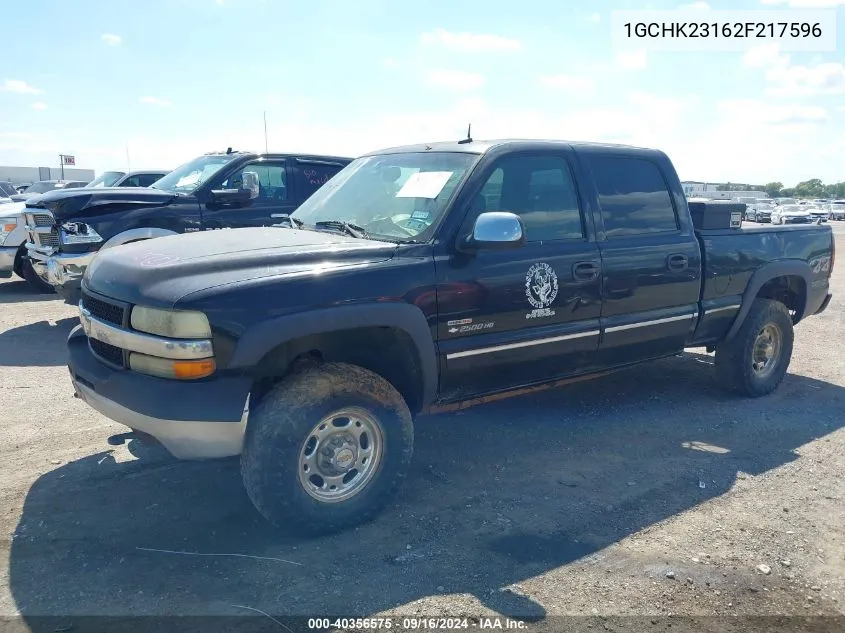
(732, 256)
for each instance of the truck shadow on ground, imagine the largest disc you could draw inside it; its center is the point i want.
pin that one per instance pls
(37, 344)
(499, 494)
(20, 291)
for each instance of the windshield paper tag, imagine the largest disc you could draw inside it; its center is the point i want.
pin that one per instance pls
(424, 184)
(420, 215)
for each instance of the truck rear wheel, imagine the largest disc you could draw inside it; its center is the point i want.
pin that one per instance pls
(327, 448)
(755, 361)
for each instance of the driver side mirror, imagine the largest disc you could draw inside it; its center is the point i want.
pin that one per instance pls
(248, 191)
(495, 230)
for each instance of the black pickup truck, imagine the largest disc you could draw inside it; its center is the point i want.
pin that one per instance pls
(417, 277)
(66, 228)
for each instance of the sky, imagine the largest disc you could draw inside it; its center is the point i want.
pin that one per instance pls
(165, 80)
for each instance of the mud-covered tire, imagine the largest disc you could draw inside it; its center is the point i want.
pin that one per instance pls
(283, 421)
(34, 280)
(735, 358)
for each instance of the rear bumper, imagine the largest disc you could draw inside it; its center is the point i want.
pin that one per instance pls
(200, 419)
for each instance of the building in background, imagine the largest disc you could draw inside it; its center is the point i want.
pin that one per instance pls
(28, 175)
(696, 189)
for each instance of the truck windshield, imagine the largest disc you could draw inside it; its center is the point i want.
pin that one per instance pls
(106, 179)
(399, 196)
(190, 176)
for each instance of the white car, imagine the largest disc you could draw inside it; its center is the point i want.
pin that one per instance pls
(791, 214)
(818, 212)
(837, 210)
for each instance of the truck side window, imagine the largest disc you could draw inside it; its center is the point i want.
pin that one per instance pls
(272, 181)
(312, 176)
(132, 181)
(145, 180)
(633, 196)
(541, 190)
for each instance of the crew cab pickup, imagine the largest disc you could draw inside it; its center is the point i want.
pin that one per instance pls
(417, 278)
(66, 228)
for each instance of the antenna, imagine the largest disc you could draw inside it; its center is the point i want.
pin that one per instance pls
(468, 139)
(266, 151)
(128, 162)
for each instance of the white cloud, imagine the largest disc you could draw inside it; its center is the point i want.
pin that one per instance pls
(155, 101)
(389, 62)
(806, 81)
(470, 42)
(787, 80)
(575, 84)
(19, 135)
(763, 56)
(39, 105)
(806, 4)
(20, 87)
(111, 39)
(595, 18)
(695, 5)
(455, 79)
(631, 60)
(773, 113)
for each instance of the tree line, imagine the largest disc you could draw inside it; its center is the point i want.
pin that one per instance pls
(813, 188)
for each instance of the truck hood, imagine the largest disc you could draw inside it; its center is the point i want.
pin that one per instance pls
(158, 272)
(80, 203)
(795, 214)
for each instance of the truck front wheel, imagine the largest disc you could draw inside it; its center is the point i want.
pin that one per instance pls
(327, 448)
(34, 280)
(755, 361)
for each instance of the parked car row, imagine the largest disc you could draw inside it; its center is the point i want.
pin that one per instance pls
(792, 211)
(350, 296)
(66, 229)
(14, 236)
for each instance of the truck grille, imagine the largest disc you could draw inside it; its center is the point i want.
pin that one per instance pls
(113, 313)
(42, 219)
(46, 239)
(108, 353)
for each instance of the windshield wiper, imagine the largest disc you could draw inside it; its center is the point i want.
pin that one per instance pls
(294, 222)
(347, 227)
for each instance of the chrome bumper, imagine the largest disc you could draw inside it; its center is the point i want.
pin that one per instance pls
(7, 260)
(58, 269)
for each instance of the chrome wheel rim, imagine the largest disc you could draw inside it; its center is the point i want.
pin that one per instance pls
(341, 455)
(766, 351)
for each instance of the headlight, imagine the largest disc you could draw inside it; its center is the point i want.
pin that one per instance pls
(7, 225)
(79, 233)
(170, 323)
(166, 368)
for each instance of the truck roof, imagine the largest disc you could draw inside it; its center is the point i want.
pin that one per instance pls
(278, 155)
(483, 146)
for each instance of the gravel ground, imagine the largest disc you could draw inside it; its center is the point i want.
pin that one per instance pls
(626, 499)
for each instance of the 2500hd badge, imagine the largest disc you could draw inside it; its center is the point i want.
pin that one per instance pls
(309, 348)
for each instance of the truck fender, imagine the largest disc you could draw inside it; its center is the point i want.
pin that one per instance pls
(132, 235)
(767, 272)
(257, 341)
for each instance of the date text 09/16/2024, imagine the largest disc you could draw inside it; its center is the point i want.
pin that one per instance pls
(417, 623)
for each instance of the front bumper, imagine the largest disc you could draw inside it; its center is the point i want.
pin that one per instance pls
(199, 419)
(801, 220)
(62, 271)
(7, 260)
